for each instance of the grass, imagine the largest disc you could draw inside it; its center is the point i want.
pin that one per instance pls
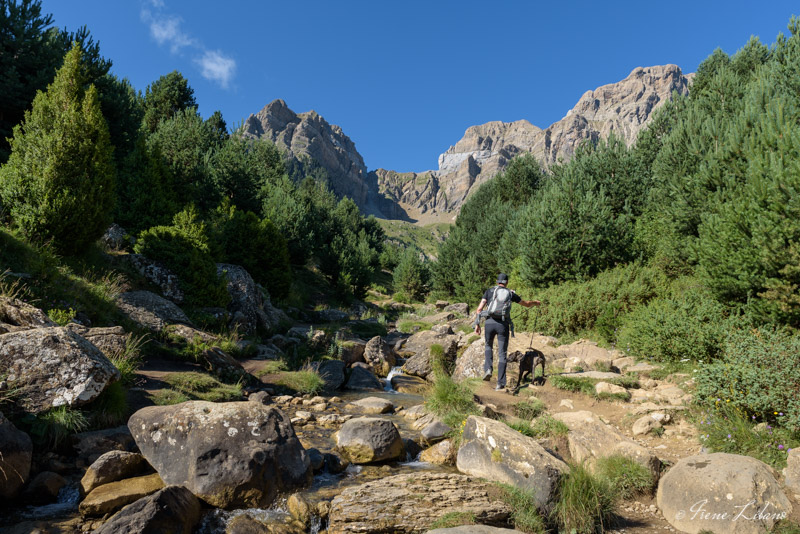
(272, 367)
(305, 380)
(586, 503)
(129, 359)
(529, 408)
(368, 330)
(450, 400)
(454, 519)
(544, 426)
(670, 368)
(626, 477)
(586, 385)
(197, 386)
(56, 425)
(725, 429)
(168, 397)
(110, 408)
(785, 527)
(409, 326)
(524, 514)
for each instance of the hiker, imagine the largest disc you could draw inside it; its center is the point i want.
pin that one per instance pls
(498, 323)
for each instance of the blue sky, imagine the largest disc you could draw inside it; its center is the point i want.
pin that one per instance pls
(405, 79)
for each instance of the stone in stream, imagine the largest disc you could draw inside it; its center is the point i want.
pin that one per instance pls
(363, 379)
(111, 467)
(171, 510)
(367, 439)
(374, 405)
(413, 385)
(15, 460)
(109, 498)
(443, 453)
(380, 356)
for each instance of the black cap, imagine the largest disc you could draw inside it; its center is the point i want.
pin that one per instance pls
(502, 278)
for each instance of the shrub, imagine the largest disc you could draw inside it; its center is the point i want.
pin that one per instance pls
(129, 360)
(450, 400)
(525, 515)
(54, 426)
(411, 275)
(61, 317)
(758, 374)
(626, 477)
(585, 503)
(689, 324)
(529, 409)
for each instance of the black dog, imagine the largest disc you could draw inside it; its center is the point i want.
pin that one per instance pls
(527, 363)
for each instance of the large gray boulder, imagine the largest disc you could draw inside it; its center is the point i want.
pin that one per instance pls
(590, 438)
(150, 311)
(15, 460)
(111, 340)
(172, 510)
(250, 307)
(332, 372)
(470, 363)
(413, 502)
(54, 367)
(158, 274)
(231, 455)
(16, 315)
(379, 355)
(362, 379)
(494, 451)
(421, 363)
(791, 473)
(722, 492)
(367, 439)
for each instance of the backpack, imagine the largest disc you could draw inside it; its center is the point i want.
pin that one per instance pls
(500, 305)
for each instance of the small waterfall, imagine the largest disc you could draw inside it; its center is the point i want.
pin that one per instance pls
(394, 372)
(68, 498)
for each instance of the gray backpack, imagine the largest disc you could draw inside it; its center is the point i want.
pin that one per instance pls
(500, 305)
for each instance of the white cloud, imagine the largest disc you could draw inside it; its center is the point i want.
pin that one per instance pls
(217, 67)
(166, 30)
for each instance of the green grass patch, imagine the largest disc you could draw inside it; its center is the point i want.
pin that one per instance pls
(529, 408)
(725, 428)
(454, 519)
(272, 367)
(587, 385)
(168, 397)
(585, 503)
(201, 386)
(411, 326)
(129, 359)
(367, 329)
(110, 408)
(785, 526)
(52, 428)
(303, 381)
(546, 426)
(626, 477)
(450, 400)
(525, 515)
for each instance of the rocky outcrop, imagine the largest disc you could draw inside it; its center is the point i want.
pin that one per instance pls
(112, 467)
(158, 274)
(332, 372)
(16, 315)
(413, 502)
(367, 439)
(251, 310)
(379, 355)
(150, 311)
(494, 451)
(470, 363)
(308, 135)
(15, 460)
(235, 454)
(173, 509)
(722, 493)
(421, 348)
(111, 340)
(54, 367)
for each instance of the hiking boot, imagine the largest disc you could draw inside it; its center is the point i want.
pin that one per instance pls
(500, 388)
(487, 375)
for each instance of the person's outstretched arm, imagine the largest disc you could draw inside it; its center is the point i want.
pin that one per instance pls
(529, 303)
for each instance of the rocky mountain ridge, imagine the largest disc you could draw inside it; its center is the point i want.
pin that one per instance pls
(623, 108)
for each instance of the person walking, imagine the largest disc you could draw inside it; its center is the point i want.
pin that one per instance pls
(498, 323)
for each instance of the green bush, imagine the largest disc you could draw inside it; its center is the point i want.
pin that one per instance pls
(759, 374)
(450, 400)
(626, 477)
(585, 503)
(688, 324)
(525, 514)
(411, 275)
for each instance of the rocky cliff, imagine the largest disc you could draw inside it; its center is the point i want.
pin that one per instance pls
(623, 108)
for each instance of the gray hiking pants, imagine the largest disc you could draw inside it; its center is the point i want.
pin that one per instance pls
(494, 328)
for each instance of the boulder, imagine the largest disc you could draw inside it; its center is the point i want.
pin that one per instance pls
(172, 510)
(111, 467)
(111, 341)
(331, 316)
(606, 388)
(435, 431)
(721, 492)
(492, 450)
(363, 379)
(646, 424)
(43, 488)
(590, 438)
(159, 275)
(367, 439)
(55, 367)
(231, 455)
(470, 363)
(374, 405)
(791, 473)
(439, 318)
(89, 446)
(115, 237)
(587, 351)
(110, 497)
(442, 329)
(441, 304)
(352, 351)
(223, 365)
(189, 334)
(421, 364)
(15, 460)
(413, 385)
(250, 308)
(413, 502)
(379, 355)
(150, 311)
(443, 453)
(16, 315)
(332, 372)
(461, 308)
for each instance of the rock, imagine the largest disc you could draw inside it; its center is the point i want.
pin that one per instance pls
(171, 510)
(644, 425)
(421, 364)
(567, 403)
(595, 375)
(374, 405)
(443, 453)
(335, 463)
(115, 237)
(150, 311)
(442, 329)
(110, 497)
(352, 351)
(470, 363)
(43, 488)
(16, 315)
(55, 367)
(15, 460)
(461, 308)
(439, 318)
(89, 446)
(299, 508)
(111, 467)
(792, 471)
(441, 304)
(589, 438)
(623, 363)
(641, 368)
(492, 450)
(316, 458)
(413, 385)
(472, 529)
(413, 502)
(224, 366)
(379, 355)
(366, 439)
(111, 341)
(231, 455)
(159, 275)
(332, 372)
(435, 431)
(414, 413)
(721, 492)
(587, 352)
(331, 316)
(189, 334)
(251, 310)
(362, 379)
(605, 388)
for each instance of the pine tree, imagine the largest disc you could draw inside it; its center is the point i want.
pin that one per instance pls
(59, 181)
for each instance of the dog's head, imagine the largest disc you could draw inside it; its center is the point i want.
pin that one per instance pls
(515, 356)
